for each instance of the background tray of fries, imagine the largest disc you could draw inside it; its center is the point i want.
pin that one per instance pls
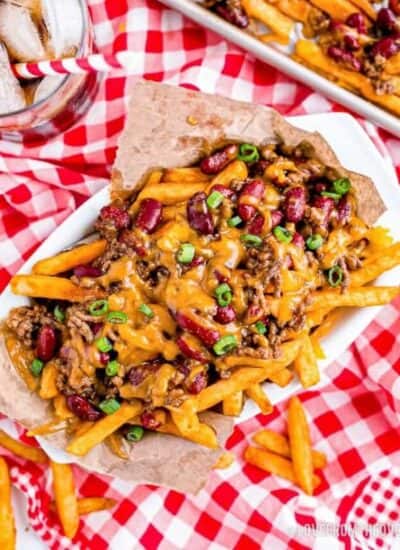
(342, 132)
(278, 56)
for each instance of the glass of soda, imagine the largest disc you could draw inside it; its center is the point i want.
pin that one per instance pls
(34, 30)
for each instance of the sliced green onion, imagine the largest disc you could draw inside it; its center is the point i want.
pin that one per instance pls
(109, 406)
(59, 314)
(215, 199)
(314, 241)
(260, 327)
(146, 310)
(251, 240)
(225, 344)
(223, 294)
(331, 195)
(117, 317)
(98, 308)
(235, 221)
(248, 153)
(186, 253)
(135, 433)
(335, 276)
(37, 367)
(282, 234)
(103, 344)
(341, 186)
(112, 368)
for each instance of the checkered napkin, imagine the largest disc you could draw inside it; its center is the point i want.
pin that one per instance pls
(354, 418)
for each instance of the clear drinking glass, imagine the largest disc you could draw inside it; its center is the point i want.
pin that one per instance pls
(63, 106)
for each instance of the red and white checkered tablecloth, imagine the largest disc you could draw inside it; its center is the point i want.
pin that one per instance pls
(354, 418)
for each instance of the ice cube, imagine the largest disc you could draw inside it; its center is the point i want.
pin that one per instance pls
(19, 33)
(11, 95)
(64, 23)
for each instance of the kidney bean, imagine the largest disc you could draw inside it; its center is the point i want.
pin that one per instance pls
(386, 47)
(207, 335)
(351, 43)
(276, 217)
(217, 161)
(199, 383)
(256, 225)
(326, 204)
(254, 311)
(225, 191)
(46, 343)
(255, 188)
(220, 277)
(189, 351)
(320, 186)
(258, 168)
(394, 5)
(149, 216)
(198, 260)
(246, 211)
(87, 271)
(104, 358)
(357, 21)
(117, 216)
(298, 240)
(344, 210)
(233, 14)
(82, 408)
(96, 327)
(225, 315)
(347, 58)
(149, 421)
(386, 21)
(198, 214)
(294, 204)
(136, 376)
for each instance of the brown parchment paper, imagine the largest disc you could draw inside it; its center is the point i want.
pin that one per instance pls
(159, 132)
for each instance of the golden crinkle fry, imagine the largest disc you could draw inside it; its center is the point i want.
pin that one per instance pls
(292, 457)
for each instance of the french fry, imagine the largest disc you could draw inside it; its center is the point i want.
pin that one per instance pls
(203, 436)
(154, 177)
(260, 398)
(306, 364)
(270, 16)
(52, 288)
(311, 54)
(114, 443)
(299, 10)
(183, 175)
(300, 445)
(65, 498)
(170, 194)
(243, 378)
(224, 461)
(274, 464)
(101, 429)
(237, 169)
(21, 361)
(279, 444)
(65, 261)
(20, 449)
(366, 7)
(48, 428)
(392, 65)
(375, 266)
(362, 297)
(7, 522)
(88, 505)
(48, 382)
(233, 405)
(282, 378)
(337, 9)
(60, 407)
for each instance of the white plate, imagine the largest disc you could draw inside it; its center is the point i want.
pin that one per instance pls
(355, 151)
(282, 61)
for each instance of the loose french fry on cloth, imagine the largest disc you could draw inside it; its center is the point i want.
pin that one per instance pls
(257, 393)
(65, 498)
(88, 505)
(306, 364)
(300, 445)
(7, 522)
(233, 405)
(65, 261)
(20, 449)
(279, 444)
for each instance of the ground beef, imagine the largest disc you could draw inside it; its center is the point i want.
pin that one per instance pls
(252, 345)
(114, 251)
(383, 87)
(26, 322)
(346, 276)
(260, 259)
(68, 362)
(151, 272)
(79, 320)
(317, 23)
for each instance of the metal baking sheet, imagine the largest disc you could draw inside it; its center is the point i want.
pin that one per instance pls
(283, 62)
